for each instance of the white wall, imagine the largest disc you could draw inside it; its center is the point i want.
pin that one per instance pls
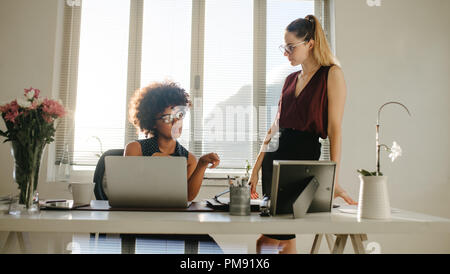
(398, 51)
(29, 52)
(29, 49)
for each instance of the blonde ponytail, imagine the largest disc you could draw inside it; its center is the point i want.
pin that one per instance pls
(310, 28)
(321, 51)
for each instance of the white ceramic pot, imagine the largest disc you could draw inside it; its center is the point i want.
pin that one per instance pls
(373, 198)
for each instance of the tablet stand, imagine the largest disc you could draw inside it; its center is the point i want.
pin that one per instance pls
(301, 205)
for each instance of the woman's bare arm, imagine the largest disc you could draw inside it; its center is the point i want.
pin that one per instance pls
(197, 171)
(337, 93)
(259, 159)
(133, 149)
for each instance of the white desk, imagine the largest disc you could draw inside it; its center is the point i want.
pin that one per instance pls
(340, 224)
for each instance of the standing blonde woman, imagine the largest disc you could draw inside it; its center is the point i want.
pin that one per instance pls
(311, 106)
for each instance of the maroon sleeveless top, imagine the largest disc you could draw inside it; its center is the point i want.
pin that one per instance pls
(309, 111)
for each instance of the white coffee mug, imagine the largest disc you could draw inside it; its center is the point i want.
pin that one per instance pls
(81, 192)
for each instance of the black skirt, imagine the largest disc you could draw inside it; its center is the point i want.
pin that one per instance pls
(292, 145)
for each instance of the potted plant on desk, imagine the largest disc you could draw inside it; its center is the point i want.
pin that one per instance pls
(373, 193)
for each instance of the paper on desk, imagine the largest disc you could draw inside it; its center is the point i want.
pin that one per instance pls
(226, 200)
(353, 209)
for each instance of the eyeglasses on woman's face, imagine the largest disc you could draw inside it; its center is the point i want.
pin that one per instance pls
(178, 114)
(289, 48)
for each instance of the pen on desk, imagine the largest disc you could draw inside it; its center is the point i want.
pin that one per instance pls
(55, 201)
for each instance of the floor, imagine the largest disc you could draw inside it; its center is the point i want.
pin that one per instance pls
(112, 244)
(226, 244)
(83, 243)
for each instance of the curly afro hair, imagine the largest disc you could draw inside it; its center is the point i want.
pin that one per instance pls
(149, 101)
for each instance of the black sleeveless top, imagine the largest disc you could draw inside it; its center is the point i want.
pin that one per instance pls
(150, 146)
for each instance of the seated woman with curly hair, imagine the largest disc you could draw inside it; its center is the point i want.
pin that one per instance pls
(158, 111)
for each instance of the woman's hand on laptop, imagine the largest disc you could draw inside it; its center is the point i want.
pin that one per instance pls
(210, 158)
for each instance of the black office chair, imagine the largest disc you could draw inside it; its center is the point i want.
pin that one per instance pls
(191, 242)
(100, 173)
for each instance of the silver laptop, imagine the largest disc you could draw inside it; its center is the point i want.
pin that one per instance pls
(146, 182)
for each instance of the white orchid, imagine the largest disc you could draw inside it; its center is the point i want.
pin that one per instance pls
(30, 94)
(395, 150)
(23, 103)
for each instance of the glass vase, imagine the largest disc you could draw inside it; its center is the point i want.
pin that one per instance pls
(27, 161)
(17, 208)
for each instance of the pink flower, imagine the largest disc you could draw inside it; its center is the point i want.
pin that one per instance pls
(47, 118)
(14, 106)
(11, 116)
(32, 93)
(53, 108)
(11, 111)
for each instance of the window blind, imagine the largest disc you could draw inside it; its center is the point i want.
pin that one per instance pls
(224, 53)
(134, 62)
(98, 39)
(228, 82)
(68, 78)
(166, 47)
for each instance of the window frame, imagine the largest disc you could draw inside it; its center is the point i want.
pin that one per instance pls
(324, 10)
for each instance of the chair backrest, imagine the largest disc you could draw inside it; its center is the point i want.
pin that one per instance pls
(100, 173)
